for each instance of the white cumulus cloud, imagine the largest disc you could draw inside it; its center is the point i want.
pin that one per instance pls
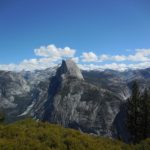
(103, 57)
(54, 52)
(49, 56)
(118, 58)
(140, 55)
(89, 57)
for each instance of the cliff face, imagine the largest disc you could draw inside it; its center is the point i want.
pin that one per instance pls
(11, 84)
(69, 69)
(20, 91)
(73, 102)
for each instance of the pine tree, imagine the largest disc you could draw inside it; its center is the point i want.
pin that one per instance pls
(145, 115)
(138, 114)
(133, 113)
(2, 117)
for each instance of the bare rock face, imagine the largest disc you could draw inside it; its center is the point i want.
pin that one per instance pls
(11, 85)
(19, 91)
(76, 103)
(69, 68)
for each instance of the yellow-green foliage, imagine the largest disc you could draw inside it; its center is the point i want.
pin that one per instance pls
(31, 135)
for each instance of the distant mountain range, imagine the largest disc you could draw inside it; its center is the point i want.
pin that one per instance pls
(90, 101)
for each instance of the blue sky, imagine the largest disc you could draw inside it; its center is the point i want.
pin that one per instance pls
(100, 32)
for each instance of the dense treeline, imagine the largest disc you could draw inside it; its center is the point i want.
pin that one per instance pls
(2, 117)
(138, 114)
(31, 135)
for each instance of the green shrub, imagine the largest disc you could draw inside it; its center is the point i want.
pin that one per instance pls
(31, 135)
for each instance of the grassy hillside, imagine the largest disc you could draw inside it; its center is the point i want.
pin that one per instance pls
(32, 135)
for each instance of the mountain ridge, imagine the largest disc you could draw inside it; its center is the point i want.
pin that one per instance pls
(88, 101)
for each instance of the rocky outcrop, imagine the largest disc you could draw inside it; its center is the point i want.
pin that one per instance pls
(69, 69)
(76, 103)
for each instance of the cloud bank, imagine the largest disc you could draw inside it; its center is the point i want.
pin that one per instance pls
(50, 56)
(141, 55)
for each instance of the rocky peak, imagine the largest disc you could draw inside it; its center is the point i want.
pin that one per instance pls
(69, 68)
